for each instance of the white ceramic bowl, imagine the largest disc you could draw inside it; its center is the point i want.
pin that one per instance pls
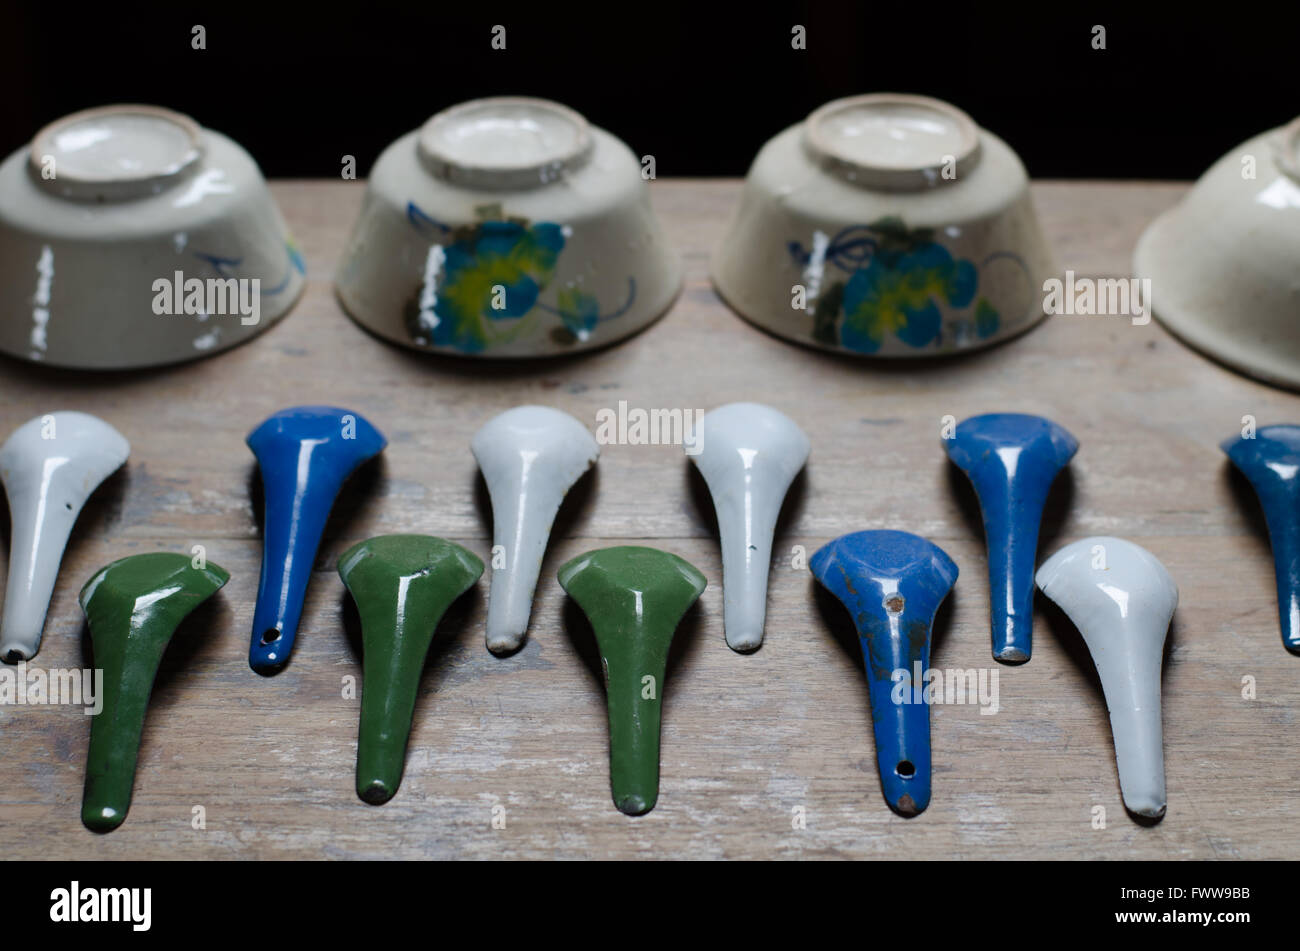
(107, 203)
(1224, 263)
(507, 227)
(886, 225)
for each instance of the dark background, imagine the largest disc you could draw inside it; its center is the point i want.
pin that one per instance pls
(699, 86)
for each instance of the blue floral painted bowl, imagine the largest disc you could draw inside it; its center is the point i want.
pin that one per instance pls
(507, 227)
(886, 225)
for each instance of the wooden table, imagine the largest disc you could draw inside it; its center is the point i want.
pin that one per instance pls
(747, 740)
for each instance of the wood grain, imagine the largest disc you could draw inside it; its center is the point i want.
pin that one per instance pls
(746, 739)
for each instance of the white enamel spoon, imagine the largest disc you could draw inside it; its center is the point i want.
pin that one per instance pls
(748, 454)
(1122, 599)
(50, 466)
(530, 457)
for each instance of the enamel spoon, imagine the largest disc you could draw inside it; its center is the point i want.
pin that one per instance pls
(1011, 460)
(1271, 461)
(1122, 599)
(530, 457)
(402, 585)
(305, 455)
(50, 466)
(748, 454)
(634, 598)
(892, 584)
(133, 607)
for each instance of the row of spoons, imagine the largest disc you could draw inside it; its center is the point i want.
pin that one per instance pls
(1119, 595)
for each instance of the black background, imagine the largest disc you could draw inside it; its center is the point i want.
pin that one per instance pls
(699, 86)
(324, 904)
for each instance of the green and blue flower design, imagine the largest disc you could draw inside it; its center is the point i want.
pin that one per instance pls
(898, 283)
(488, 281)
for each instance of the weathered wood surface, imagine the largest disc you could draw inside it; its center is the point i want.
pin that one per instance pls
(746, 739)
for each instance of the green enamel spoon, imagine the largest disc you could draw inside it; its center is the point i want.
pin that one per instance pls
(402, 585)
(634, 597)
(133, 608)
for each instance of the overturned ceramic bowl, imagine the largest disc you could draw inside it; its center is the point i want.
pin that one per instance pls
(131, 237)
(507, 227)
(1224, 263)
(886, 225)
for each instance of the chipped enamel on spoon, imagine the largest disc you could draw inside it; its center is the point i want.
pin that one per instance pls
(748, 454)
(530, 457)
(1122, 599)
(1011, 460)
(305, 454)
(50, 466)
(1270, 460)
(892, 584)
